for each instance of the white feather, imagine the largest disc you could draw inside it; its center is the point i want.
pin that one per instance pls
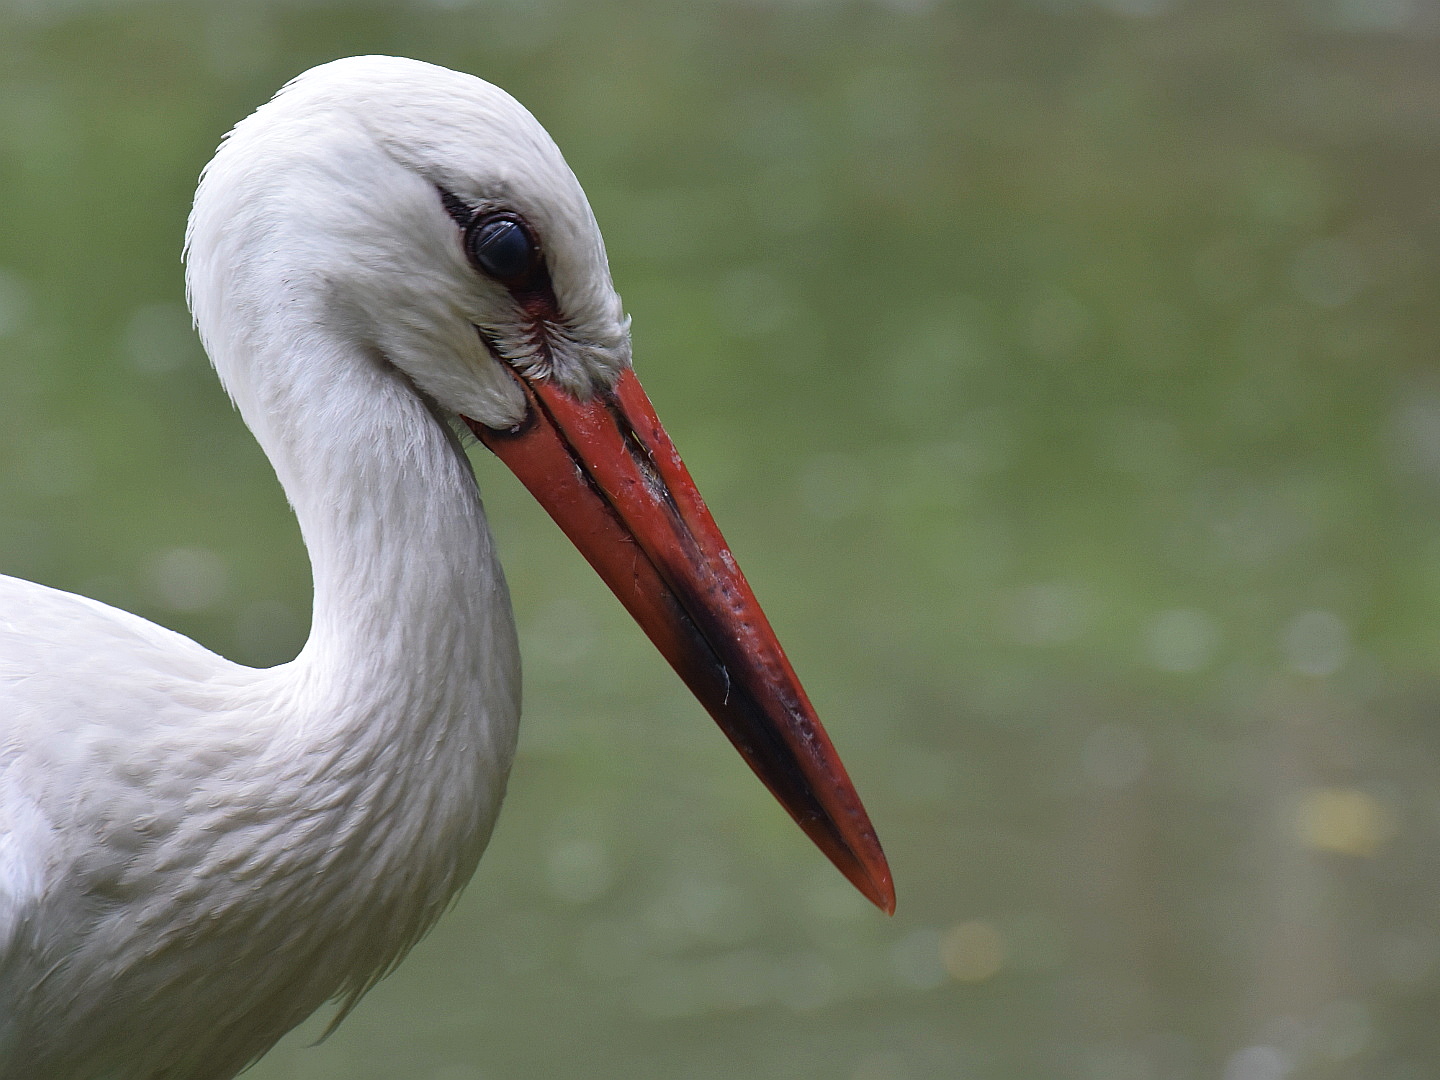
(195, 855)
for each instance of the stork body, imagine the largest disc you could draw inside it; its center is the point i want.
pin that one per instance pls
(196, 855)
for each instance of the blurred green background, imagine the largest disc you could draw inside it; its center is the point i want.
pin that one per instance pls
(1065, 376)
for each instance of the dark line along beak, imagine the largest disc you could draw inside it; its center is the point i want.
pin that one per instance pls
(608, 474)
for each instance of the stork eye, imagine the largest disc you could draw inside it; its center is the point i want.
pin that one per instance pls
(501, 246)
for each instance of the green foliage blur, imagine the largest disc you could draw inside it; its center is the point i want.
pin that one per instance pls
(1064, 375)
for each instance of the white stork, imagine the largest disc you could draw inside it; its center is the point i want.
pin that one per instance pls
(196, 855)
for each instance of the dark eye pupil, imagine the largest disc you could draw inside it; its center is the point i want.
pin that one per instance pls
(502, 248)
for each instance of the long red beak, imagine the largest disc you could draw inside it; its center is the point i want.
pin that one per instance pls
(608, 474)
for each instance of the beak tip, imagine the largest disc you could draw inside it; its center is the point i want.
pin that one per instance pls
(879, 889)
(882, 895)
(864, 866)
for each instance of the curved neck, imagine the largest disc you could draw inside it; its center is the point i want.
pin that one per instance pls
(412, 635)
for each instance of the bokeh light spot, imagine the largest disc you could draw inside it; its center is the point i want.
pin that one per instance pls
(973, 951)
(1343, 820)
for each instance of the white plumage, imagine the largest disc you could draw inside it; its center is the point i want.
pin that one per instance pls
(195, 855)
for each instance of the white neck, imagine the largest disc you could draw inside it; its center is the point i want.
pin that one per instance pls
(401, 710)
(412, 648)
(407, 694)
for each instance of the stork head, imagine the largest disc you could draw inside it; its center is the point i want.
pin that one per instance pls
(411, 206)
(426, 219)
